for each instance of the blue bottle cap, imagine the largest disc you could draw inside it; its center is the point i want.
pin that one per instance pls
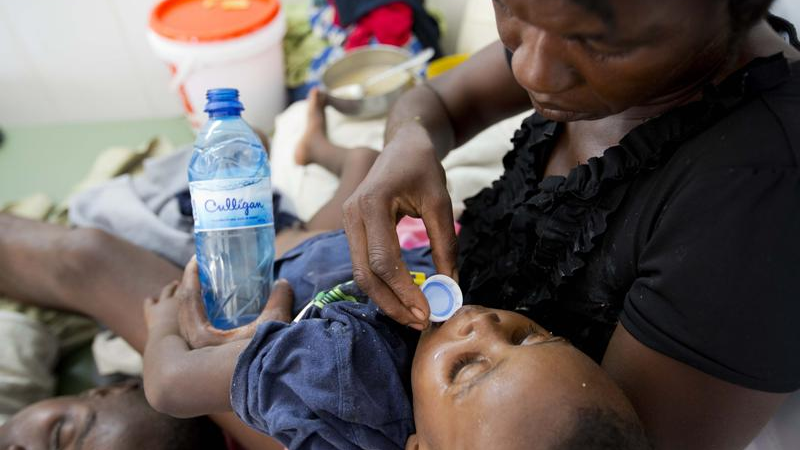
(444, 297)
(223, 100)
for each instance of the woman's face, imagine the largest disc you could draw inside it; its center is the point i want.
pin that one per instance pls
(579, 63)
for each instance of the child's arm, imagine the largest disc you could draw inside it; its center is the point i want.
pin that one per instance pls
(180, 381)
(185, 382)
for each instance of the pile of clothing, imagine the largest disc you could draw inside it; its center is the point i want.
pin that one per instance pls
(318, 37)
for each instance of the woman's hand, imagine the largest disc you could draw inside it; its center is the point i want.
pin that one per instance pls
(193, 320)
(407, 179)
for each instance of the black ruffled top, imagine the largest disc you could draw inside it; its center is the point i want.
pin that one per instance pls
(570, 251)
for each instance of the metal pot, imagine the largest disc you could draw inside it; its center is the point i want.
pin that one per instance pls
(370, 106)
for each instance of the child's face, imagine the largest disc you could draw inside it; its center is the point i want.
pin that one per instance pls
(115, 417)
(495, 379)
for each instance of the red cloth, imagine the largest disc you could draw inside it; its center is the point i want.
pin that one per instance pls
(390, 24)
(411, 233)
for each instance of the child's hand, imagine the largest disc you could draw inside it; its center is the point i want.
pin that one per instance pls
(162, 313)
(193, 320)
(178, 380)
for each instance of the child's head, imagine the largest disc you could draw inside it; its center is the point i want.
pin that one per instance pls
(116, 416)
(494, 379)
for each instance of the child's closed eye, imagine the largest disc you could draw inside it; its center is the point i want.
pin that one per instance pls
(468, 365)
(521, 335)
(465, 365)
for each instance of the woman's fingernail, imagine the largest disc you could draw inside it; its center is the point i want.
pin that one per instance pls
(416, 326)
(418, 313)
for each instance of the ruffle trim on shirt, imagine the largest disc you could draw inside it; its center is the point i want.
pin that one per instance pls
(500, 255)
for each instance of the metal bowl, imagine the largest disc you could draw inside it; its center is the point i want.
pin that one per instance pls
(371, 105)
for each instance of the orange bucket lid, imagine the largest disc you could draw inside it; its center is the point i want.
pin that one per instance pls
(211, 20)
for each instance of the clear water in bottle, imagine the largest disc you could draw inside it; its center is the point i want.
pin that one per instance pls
(229, 180)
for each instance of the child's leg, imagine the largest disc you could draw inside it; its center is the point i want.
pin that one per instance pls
(355, 166)
(351, 165)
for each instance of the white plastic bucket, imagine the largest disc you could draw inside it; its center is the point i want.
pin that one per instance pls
(252, 63)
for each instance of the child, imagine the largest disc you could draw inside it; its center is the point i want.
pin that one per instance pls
(110, 417)
(344, 378)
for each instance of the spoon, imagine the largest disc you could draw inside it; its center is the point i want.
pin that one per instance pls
(357, 91)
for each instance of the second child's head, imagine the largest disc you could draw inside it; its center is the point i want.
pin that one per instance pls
(495, 379)
(113, 417)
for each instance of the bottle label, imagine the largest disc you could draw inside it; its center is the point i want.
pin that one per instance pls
(231, 203)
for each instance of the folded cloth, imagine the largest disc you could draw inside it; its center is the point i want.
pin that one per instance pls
(113, 355)
(34, 207)
(142, 209)
(153, 209)
(27, 358)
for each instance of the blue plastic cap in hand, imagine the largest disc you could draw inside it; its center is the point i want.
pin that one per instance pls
(444, 297)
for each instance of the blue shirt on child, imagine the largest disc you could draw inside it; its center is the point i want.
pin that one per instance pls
(339, 378)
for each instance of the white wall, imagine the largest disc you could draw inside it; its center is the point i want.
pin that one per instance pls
(79, 60)
(453, 11)
(789, 9)
(88, 60)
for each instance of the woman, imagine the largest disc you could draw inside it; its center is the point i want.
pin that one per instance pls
(631, 215)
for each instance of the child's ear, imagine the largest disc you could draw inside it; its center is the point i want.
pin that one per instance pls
(412, 443)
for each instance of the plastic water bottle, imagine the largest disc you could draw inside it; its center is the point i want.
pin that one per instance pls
(229, 181)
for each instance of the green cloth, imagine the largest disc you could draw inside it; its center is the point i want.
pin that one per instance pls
(300, 45)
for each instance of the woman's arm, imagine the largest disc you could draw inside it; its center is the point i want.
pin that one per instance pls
(454, 107)
(682, 407)
(408, 178)
(707, 341)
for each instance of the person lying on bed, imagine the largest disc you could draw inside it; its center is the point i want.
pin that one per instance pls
(110, 417)
(91, 272)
